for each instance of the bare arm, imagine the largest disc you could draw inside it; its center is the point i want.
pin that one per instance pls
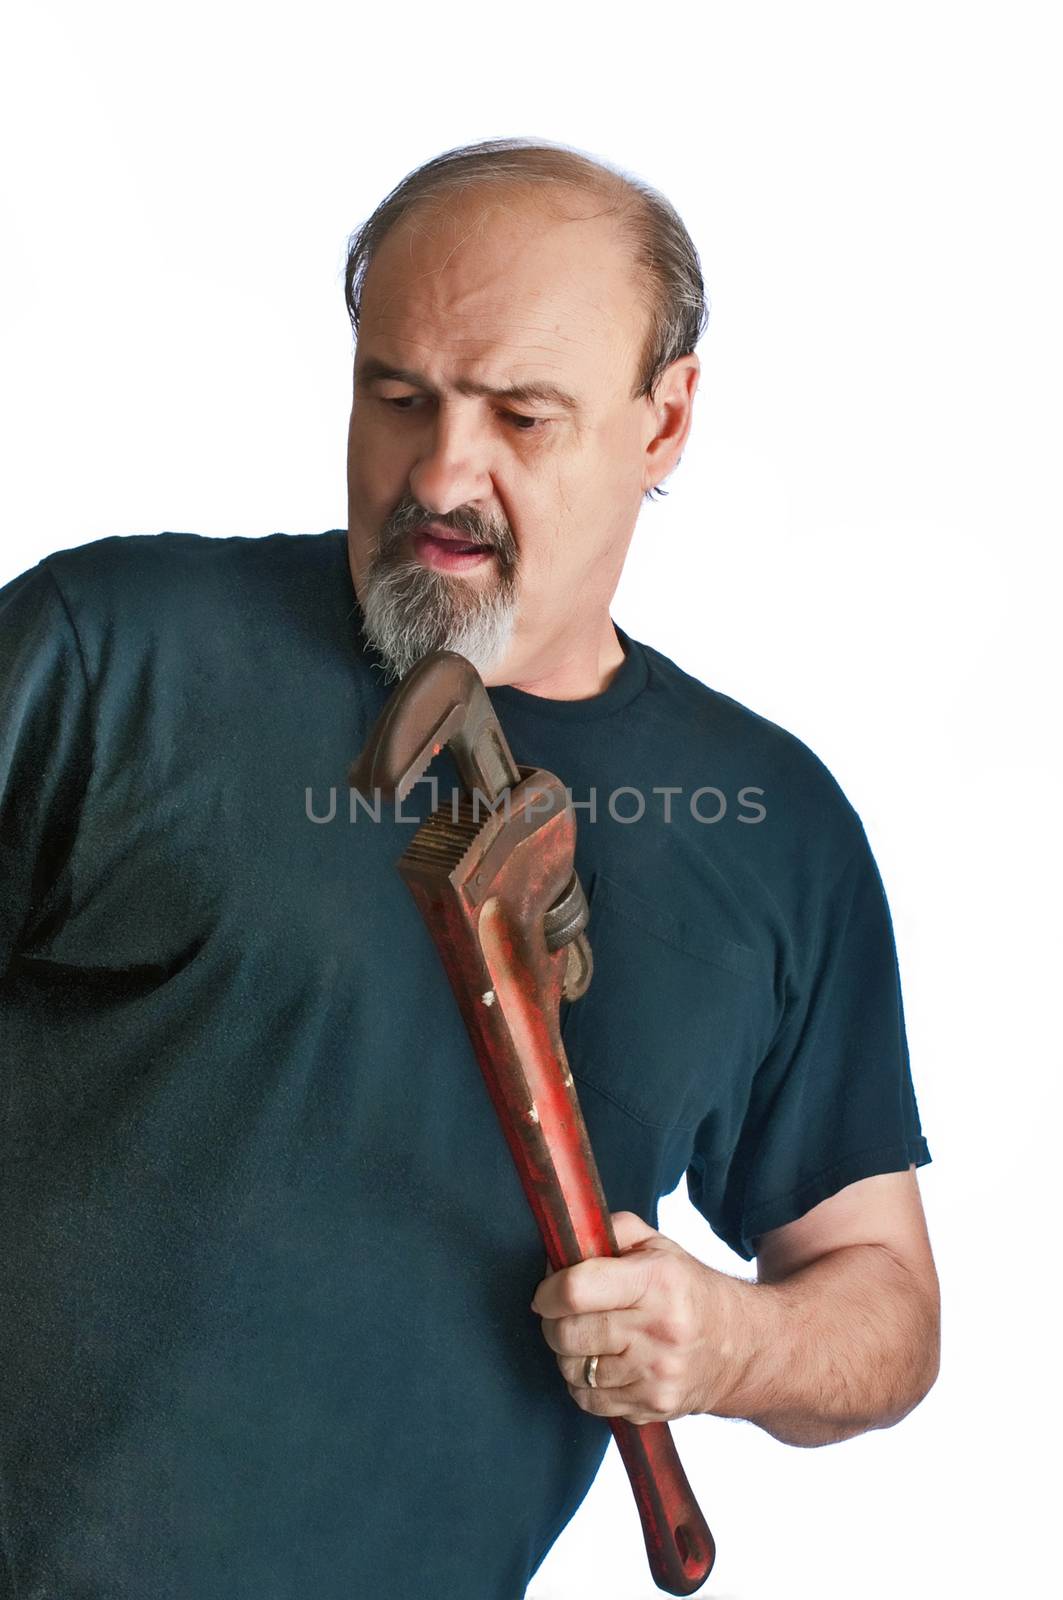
(869, 1334)
(847, 1343)
(839, 1334)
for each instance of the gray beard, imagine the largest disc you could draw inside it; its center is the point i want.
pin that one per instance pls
(411, 610)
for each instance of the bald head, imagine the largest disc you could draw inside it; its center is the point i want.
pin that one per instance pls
(495, 396)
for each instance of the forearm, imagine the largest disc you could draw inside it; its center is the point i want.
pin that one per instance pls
(846, 1344)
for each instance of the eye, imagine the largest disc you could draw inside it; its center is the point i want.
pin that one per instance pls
(400, 400)
(404, 403)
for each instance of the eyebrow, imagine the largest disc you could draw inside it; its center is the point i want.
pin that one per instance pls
(537, 392)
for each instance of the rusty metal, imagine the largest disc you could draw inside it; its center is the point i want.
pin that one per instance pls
(442, 701)
(505, 910)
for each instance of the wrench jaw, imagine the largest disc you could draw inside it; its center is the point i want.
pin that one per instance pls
(448, 835)
(442, 701)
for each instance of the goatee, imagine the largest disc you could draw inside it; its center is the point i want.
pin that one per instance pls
(411, 610)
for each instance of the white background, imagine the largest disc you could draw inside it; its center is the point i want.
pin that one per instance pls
(860, 543)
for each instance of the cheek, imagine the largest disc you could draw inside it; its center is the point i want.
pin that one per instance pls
(375, 468)
(373, 491)
(603, 482)
(597, 514)
(584, 527)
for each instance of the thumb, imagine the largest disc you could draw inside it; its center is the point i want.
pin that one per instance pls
(630, 1230)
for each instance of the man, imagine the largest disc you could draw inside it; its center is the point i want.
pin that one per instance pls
(277, 1322)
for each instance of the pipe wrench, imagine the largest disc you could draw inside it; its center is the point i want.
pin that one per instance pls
(506, 912)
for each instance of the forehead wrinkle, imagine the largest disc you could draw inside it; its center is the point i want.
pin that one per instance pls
(390, 324)
(514, 349)
(515, 356)
(476, 280)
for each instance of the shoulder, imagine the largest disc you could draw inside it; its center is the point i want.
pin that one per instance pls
(168, 592)
(728, 738)
(160, 568)
(184, 604)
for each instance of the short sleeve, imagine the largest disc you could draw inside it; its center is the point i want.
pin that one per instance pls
(833, 1100)
(45, 745)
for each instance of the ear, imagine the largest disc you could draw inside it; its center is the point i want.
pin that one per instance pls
(672, 411)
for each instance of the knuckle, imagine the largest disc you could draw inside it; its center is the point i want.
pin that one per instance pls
(662, 1397)
(664, 1368)
(675, 1327)
(571, 1291)
(567, 1333)
(686, 1323)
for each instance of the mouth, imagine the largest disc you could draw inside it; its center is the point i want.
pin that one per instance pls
(447, 549)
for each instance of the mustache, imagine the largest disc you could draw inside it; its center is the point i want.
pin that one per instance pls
(409, 514)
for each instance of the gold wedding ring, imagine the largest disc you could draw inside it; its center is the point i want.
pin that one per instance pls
(590, 1368)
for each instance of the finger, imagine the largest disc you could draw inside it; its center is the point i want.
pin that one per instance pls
(595, 1333)
(549, 1274)
(629, 1229)
(612, 1372)
(604, 1283)
(628, 1401)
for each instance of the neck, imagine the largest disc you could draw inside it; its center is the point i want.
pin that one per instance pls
(578, 673)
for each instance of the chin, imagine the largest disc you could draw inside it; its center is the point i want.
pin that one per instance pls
(410, 611)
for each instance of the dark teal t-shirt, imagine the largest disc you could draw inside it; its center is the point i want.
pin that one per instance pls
(265, 1265)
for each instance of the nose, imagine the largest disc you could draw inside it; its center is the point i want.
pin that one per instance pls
(452, 468)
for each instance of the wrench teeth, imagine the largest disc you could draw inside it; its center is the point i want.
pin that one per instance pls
(446, 838)
(416, 771)
(377, 767)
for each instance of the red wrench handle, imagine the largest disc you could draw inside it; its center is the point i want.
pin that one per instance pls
(679, 1545)
(483, 910)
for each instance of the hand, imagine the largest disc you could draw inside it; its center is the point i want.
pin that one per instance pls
(666, 1328)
